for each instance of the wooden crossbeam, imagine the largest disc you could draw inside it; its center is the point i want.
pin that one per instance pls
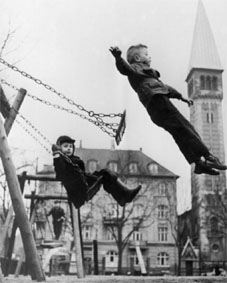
(4, 104)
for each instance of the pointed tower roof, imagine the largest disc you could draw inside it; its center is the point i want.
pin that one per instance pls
(204, 52)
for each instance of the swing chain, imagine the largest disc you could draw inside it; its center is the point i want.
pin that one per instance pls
(61, 95)
(99, 122)
(27, 131)
(34, 128)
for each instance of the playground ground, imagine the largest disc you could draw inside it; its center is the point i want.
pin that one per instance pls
(119, 279)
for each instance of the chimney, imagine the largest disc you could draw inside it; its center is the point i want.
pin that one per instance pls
(141, 149)
(80, 146)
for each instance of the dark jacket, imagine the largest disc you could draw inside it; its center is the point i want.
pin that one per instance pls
(70, 171)
(145, 81)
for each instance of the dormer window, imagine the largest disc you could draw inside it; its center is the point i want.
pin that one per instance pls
(133, 168)
(153, 168)
(113, 166)
(92, 166)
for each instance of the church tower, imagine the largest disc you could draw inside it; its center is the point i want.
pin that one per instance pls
(205, 88)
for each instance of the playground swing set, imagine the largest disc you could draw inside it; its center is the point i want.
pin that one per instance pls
(16, 183)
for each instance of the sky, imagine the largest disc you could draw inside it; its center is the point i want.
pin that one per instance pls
(65, 44)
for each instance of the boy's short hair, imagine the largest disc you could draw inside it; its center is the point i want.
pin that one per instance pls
(132, 51)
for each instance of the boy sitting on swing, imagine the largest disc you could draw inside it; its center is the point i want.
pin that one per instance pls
(70, 170)
(155, 96)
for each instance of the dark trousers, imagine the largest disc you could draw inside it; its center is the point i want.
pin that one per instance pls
(164, 114)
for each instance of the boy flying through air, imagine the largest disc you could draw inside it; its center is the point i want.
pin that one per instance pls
(155, 96)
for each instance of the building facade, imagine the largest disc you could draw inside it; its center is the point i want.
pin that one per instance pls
(143, 232)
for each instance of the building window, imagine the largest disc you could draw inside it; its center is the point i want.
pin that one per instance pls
(210, 117)
(86, 232)
(208, 83)
(202, 82)
(214, 225)
(137, 210)
(190, 87)
(162, 189)
(92, 166)
(162, 233)
(113, 166)
(153, 168)
(109, 235)
(133, 168)
(137, 235)
(162, 211)
(215, 247)
(111, 259)
(135, 259)
(214, 83)
(163, 259)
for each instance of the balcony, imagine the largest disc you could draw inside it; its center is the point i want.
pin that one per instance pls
(142, 244)
(111, 220)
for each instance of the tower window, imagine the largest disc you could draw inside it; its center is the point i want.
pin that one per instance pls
(208, 83)
(202, 82)
(210, 117)
(214, 83)
(190, 87)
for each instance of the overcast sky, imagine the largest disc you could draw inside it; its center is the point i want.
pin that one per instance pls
(65, 44)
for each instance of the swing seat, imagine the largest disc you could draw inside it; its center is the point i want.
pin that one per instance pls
(121, 128)
(94, 188)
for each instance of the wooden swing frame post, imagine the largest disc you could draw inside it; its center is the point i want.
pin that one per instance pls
(10, 115)
(16, 197)
(75, 216)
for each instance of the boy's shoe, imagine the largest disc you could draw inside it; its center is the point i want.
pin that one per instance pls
(132, 193)
(202, 168)
(214, 162)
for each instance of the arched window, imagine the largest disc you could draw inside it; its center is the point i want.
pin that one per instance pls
(92, 166)
(163, 259)
(113, 166)
(153, 168)
(214, 83)
(162, 211)
(133, 168)
(162, 189)
(214, 225)
(202, 82)
(208, 82)
(210, 117)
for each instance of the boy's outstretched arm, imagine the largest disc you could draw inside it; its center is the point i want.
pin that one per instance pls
(123, 67)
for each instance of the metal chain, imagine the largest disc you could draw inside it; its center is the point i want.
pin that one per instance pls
(61, 95)
(99, 123)
(35, 129)
(26, 130)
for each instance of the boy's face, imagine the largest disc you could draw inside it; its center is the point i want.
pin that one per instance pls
(67, 148)
(143, 56)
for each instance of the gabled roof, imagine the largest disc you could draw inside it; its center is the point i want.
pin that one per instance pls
(123, 158)
(204, 52)
(189, 250)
